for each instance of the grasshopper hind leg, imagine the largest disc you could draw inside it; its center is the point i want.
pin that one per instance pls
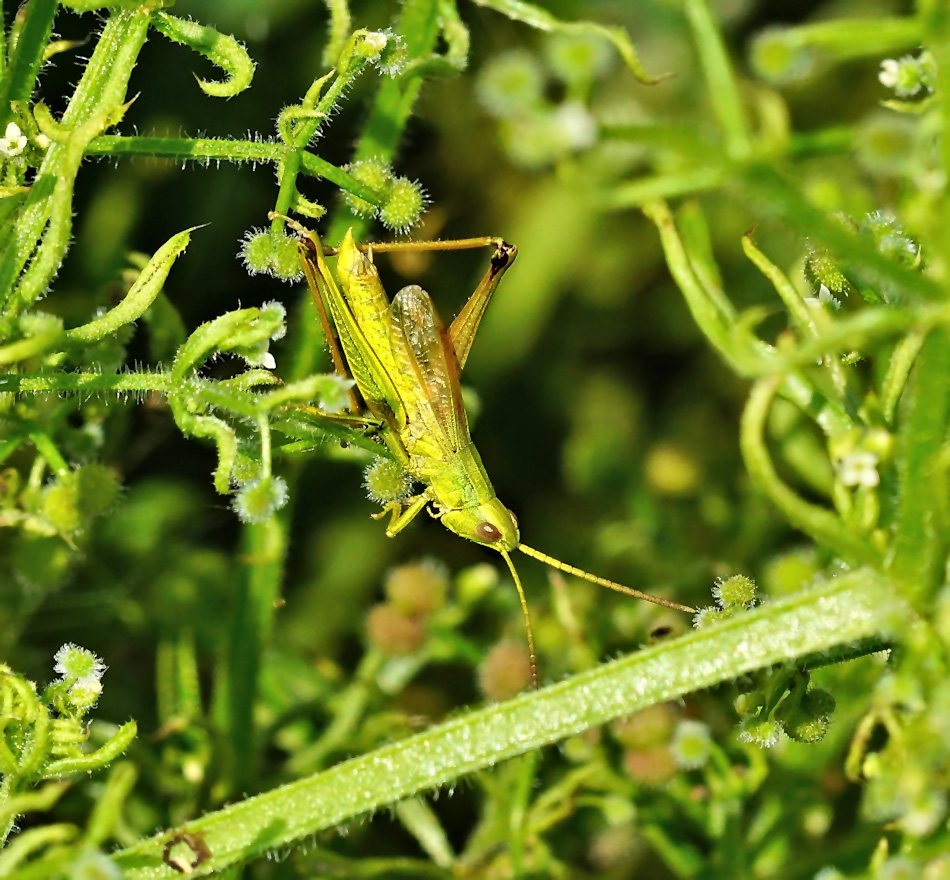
(463, 328)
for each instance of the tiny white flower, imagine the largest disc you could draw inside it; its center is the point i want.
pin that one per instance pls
(13, 141)
(576, 125)
(890, 72)
(376, 40)
(859, 469)
(267, 361)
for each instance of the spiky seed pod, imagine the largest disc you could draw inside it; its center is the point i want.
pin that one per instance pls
(268, 252)
(386, 481)
(377, 175)
(404, 205)
(256, 501)
(738, 590)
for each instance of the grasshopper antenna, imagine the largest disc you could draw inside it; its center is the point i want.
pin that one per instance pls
(527, 617)
(587, 576)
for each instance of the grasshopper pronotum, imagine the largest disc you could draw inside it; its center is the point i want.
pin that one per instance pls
(406, 364)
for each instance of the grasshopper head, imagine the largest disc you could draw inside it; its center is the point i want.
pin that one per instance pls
(491, 524)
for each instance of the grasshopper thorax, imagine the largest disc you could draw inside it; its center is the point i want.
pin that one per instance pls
(489, 523)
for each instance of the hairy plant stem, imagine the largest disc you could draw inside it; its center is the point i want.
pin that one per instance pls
(854, 606)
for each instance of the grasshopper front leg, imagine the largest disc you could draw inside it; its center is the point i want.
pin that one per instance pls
(399, 517)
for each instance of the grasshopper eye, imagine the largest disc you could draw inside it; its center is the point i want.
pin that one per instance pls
(485, 531)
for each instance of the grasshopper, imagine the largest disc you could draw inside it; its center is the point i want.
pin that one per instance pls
(405, 365)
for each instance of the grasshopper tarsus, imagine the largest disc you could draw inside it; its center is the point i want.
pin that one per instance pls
(503, 257)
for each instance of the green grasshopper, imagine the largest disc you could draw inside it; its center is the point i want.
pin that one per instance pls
(406, 364)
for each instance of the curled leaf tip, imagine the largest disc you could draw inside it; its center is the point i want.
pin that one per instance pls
(221, 49)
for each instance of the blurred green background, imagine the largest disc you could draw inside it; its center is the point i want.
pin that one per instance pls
(606, 422)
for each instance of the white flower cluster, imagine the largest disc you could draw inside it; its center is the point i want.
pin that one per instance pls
(858, 468)
(908, 76)
(83, 671)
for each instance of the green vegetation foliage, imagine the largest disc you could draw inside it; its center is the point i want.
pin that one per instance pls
(718, 371)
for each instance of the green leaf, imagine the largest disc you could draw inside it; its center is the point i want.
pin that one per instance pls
(223, 50)
(140, 296)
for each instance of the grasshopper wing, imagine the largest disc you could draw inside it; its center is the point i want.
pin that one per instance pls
(428, 367)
